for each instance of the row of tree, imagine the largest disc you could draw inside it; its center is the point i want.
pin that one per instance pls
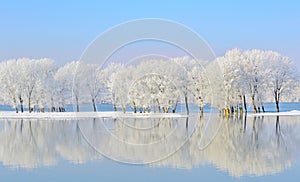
(258, 75)
(152, 85)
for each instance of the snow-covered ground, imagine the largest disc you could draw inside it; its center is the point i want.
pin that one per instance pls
(70, 115)
(290, 113)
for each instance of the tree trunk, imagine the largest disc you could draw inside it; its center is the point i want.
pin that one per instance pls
(52, 105)
(134, 107)
(167, 110)
(21, 104)
(201, 111)
(240, 106)
(158, 106)
(174, 109)
(186, 105)
(236, 111)
(226, 112)
(29, 104)
(15, 103)
(277, 106)
(254, 109)
(219, 110)
(253, 102)
(94, 105)
(245, 122)
(263, 108)
(241, 109)
(231, 110)
(277, 101)
(114, 100)
(77, 104)
(241, 112)
(245, 103)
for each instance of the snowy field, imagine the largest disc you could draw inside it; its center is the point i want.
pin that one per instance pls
(290, 113)
(70, 115)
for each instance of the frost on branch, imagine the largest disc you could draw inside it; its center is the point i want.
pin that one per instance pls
(235, 82)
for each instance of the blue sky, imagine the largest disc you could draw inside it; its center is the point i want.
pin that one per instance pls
(63, 29)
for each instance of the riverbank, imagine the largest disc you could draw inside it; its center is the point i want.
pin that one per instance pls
(290, 113)
(74, 115)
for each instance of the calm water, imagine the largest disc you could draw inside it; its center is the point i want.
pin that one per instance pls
(269, 107)
(151, 149)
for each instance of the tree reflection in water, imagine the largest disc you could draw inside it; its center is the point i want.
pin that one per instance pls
(239, 145)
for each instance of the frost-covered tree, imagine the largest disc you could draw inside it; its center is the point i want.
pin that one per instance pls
(281, 79)
(213, 73)
(229, 68)
(237, 72)
(159, 89)
(121, 85)
(254, 69)
(26, 78)
(64, 77)
(110, 78)
(145, 86)
(29, 78)
(250, 73)
(183, 65)
(94, 80)
(227, 82)
(71, 83)
(200, 87)
(9, 82)
(44, 93)
(152, 85)
(260, 71)
(79, 78)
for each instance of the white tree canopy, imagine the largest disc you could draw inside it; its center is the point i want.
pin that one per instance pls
(152, 85)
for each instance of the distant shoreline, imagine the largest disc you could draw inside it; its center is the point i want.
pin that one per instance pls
(81, 115)
(290, 113)
(74, 115)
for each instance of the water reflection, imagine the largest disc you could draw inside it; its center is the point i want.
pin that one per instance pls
(31, 143)
(241, 146)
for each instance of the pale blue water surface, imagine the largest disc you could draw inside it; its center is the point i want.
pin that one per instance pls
(152, 149)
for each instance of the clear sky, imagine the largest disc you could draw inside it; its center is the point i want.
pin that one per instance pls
(62, 29)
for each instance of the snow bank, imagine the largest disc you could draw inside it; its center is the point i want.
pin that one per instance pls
(290, 113)
(70, 115)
